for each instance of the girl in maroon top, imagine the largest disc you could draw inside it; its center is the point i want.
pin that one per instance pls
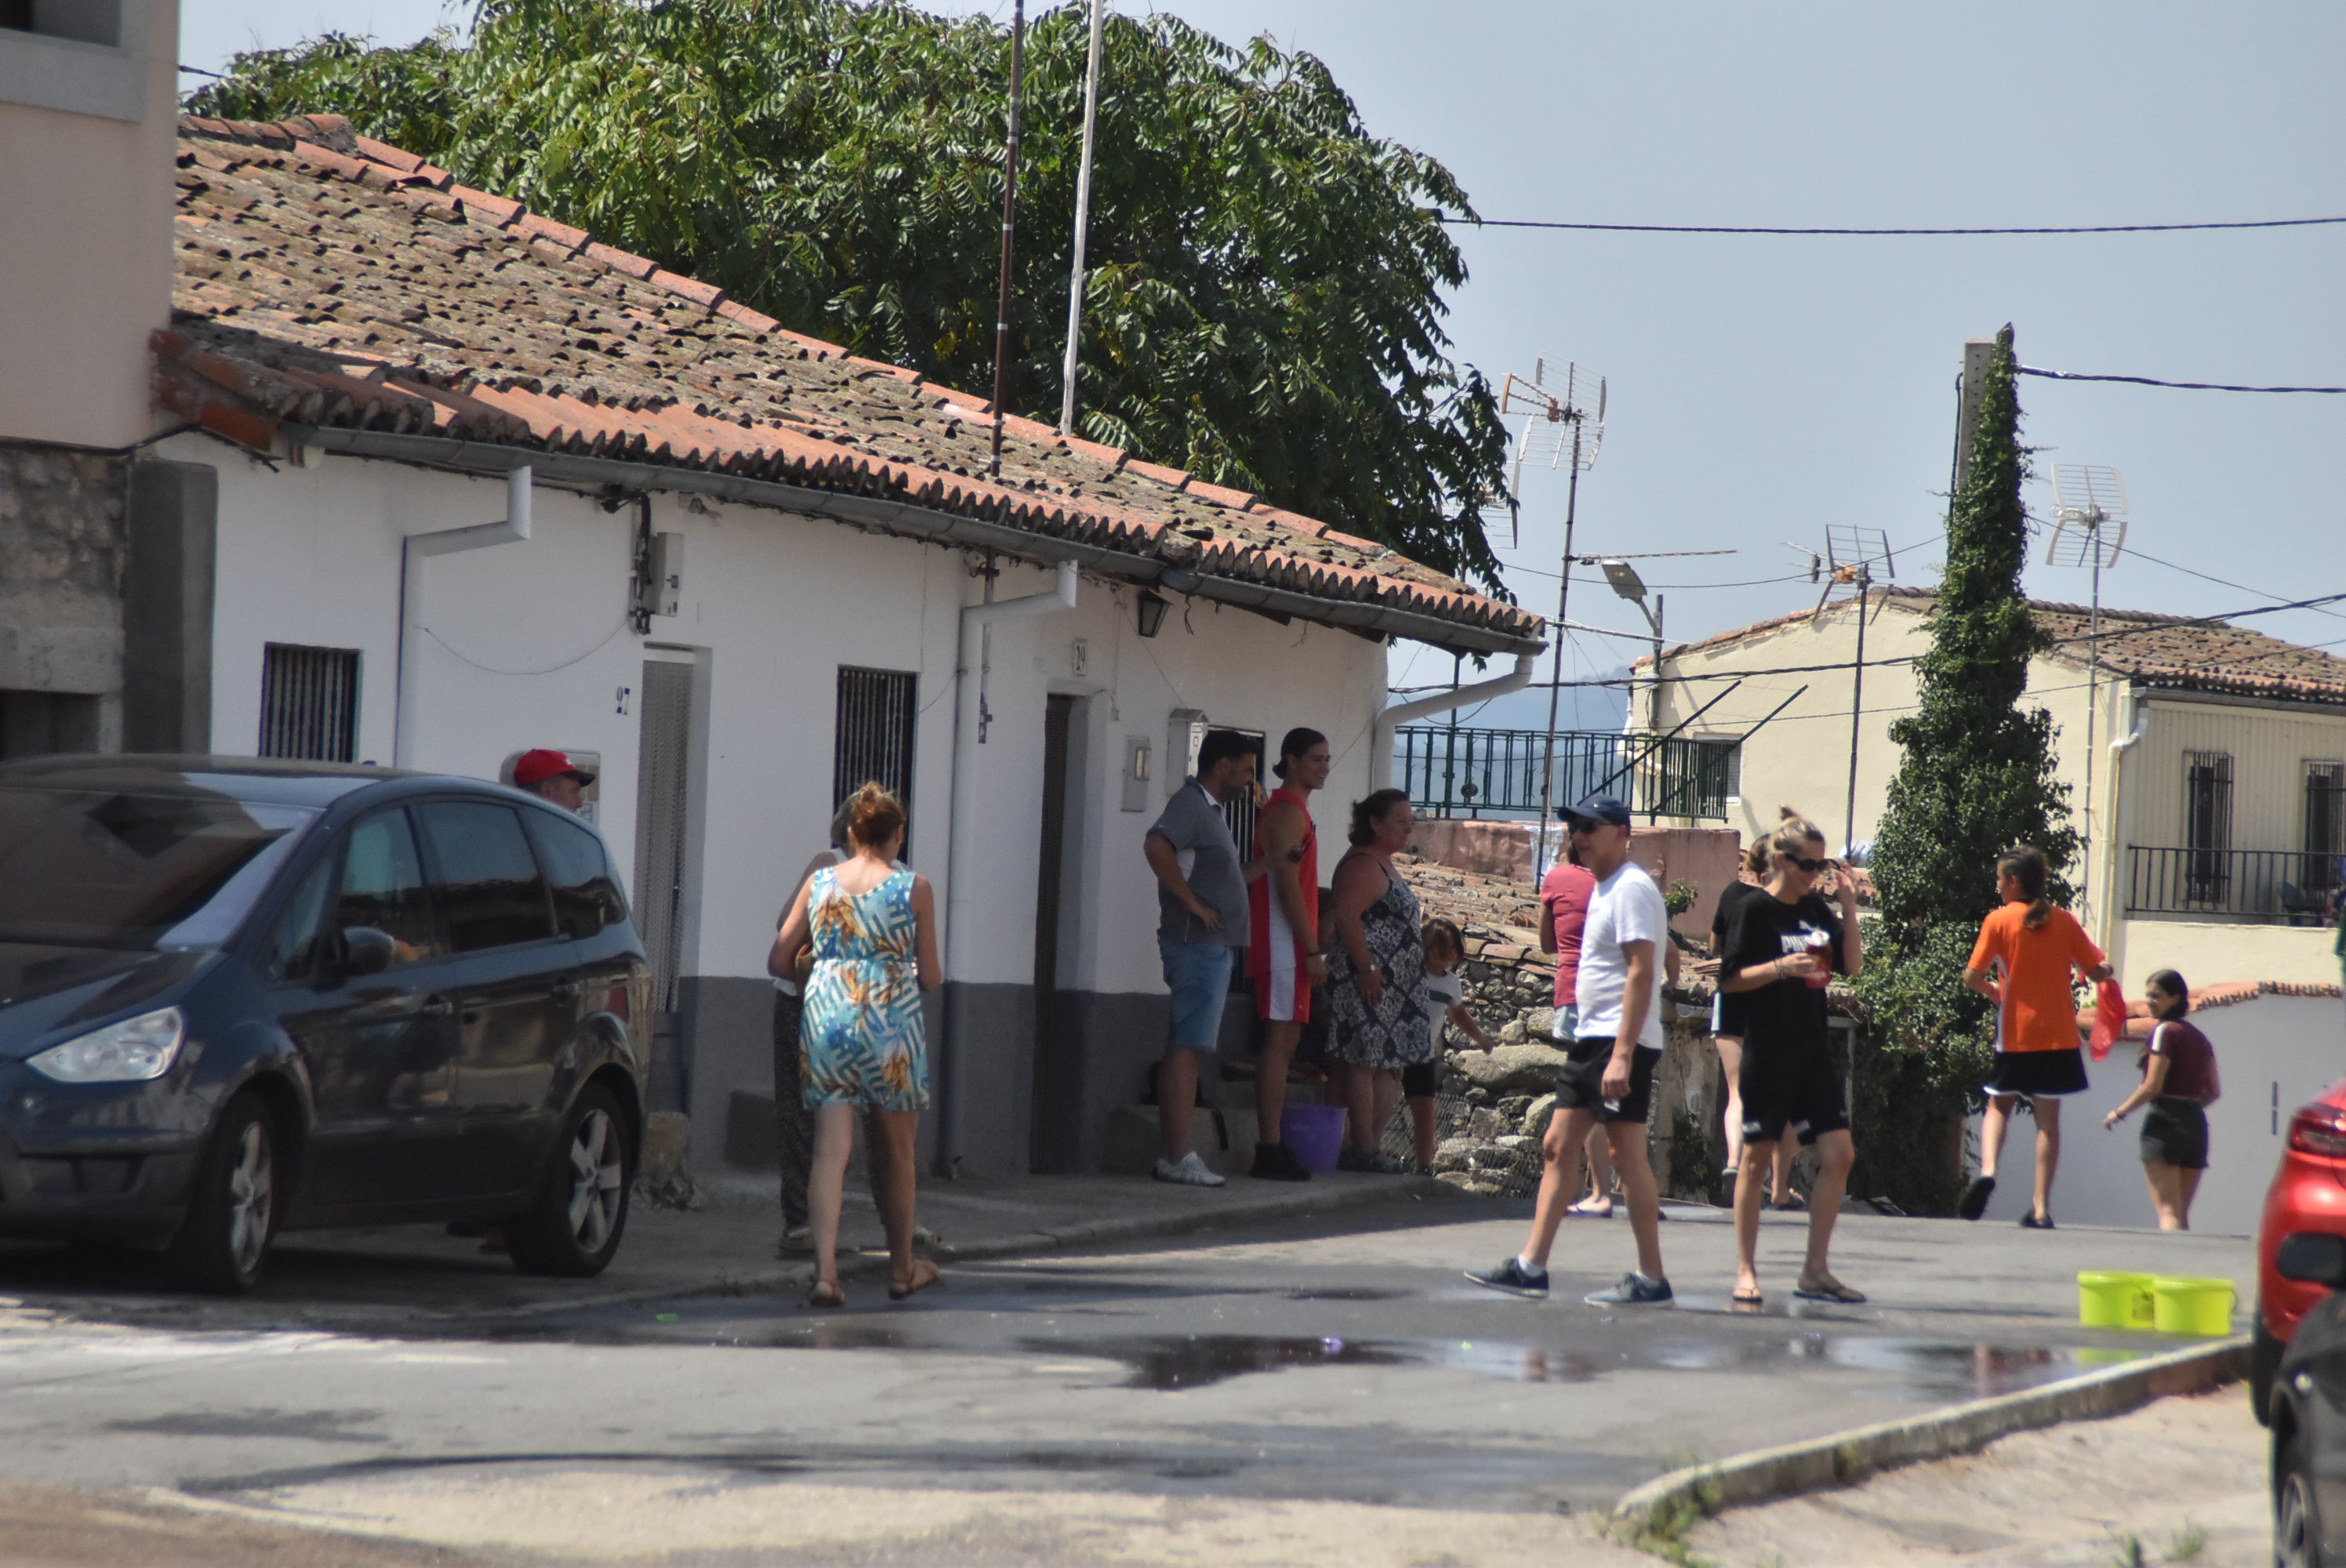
(2178, 1083)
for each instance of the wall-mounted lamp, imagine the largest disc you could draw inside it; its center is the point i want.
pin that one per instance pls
(1152, 613)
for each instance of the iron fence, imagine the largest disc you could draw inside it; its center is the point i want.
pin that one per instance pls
(2272, 887)
(1466, 772)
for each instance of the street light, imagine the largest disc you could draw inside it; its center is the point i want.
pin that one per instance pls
(1625, 582)
(1152, 613)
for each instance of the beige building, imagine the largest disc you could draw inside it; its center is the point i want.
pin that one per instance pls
(2208, 773)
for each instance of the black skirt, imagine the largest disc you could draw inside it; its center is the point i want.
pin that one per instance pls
(2035, 1073)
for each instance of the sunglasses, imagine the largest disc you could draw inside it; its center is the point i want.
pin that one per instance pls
(1806, 864)
(1584, 825)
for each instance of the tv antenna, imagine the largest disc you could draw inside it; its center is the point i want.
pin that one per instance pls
(1858, 559)
(2089, 529)
(1563, 405)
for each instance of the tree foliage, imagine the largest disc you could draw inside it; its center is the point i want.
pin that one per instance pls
(1975, 776)
(1265, 296)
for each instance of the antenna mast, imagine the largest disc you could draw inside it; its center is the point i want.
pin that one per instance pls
(1082, 224)
(1850, 555)
(2089, 528)
(1009, 226)
(1562, 429)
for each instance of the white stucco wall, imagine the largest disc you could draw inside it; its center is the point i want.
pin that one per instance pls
(2274, 1053)
(528, 645)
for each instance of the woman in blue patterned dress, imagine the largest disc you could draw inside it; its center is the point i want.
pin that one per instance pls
(873, 931)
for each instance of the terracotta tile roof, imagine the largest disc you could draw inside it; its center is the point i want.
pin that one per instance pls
(2172, 652)
(2232, 994)
(328, 281)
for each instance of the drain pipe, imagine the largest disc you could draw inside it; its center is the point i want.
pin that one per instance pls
(970, 722)
(2115, 823)
(1381, 742)
(408, 721)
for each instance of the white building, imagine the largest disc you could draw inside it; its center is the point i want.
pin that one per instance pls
(741, 570)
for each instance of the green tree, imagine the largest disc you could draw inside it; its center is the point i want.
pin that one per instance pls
(1975, 778)
(1266, 295)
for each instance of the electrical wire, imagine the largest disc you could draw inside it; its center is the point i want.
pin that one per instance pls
(2179, 386)
(1875, 233)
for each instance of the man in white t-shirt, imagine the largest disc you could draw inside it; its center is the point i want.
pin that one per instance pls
(1610, 1079)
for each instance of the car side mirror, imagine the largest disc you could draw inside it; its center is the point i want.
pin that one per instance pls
(2313, 1257)
(366, 951)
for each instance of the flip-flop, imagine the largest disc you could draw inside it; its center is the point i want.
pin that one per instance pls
(1586, 1208)
(1743, 1302)
(920, 1283)
(830, 1296)
(1836, 1291)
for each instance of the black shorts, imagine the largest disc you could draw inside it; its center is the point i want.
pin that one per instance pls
(2035, 1073)
(1727, 1014)
(1791, 1086)
(1421, 1081)
(2174, 1133)
(1581, 1087)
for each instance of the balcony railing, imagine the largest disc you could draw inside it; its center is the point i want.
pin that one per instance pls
(2272, 887)
(1497, 772)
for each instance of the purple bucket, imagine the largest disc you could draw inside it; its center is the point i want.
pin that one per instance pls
(1316, 1133)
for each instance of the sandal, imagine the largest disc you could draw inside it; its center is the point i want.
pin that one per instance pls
(1587, 1208)
(824, 1294)
(1746, 1300)
(1830, 1290)
(921, 1281)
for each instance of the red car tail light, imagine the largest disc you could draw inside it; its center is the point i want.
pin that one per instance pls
(2319, 1130)
(617, 1005)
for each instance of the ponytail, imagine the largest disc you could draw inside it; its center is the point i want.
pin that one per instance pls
(2025, 866)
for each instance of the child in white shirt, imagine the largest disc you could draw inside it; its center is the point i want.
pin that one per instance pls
(1445, 949)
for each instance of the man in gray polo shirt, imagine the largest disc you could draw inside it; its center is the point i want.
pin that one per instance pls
(1201, 899)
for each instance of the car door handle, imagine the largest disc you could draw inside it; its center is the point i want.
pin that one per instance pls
(437, 1007)
(569, 985)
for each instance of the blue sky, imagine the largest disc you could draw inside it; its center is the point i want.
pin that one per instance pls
(1763, 389)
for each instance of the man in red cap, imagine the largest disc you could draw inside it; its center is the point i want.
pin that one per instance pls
(552, 775)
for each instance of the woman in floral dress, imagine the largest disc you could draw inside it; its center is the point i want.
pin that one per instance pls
(873, 931)
(1376, 979)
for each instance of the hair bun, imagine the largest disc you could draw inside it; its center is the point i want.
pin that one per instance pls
(873, 816)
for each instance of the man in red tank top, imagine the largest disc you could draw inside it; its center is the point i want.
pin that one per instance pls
(1283, 956)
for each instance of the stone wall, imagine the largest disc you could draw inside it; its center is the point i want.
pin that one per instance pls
(62, 560)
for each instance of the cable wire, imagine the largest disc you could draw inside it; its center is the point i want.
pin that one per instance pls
(2179, 386)
(1875, 233)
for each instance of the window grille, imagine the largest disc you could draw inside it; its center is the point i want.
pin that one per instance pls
(877, 709)
(2208, 824)
(310, 703)
(2325, 823)
(1241, 811)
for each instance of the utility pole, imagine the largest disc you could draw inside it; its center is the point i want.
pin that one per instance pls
(1556, 679)
(1009, 227)
(1856, 706)
(1082, 224)
(1978, 354)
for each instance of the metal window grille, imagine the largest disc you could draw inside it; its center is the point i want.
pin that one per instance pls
(1240, 811)
(2208, 824)
(2325, 824)
(310, 703)
(873, 742)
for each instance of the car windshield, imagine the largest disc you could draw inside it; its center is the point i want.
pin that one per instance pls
(102, 868)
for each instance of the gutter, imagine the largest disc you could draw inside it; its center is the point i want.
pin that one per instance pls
(2117, 823)
(914, 522)
(969, 721)
(1380, 739)
(414, 550)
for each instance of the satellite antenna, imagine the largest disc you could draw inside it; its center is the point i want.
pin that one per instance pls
(2089, 529)
(1858, 559)
(1563, 407)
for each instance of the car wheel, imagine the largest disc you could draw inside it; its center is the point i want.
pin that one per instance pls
(223, 1243)
(2264, 1361)
(573, 1228)
(2296, 1532)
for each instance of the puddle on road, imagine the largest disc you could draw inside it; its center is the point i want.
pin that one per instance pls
(1918, 1369)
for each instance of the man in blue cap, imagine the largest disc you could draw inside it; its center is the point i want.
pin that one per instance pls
(1609, 1081)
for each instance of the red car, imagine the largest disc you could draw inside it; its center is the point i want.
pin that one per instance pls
(2308, 1193)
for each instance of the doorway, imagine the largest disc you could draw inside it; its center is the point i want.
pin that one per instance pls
(1043, 1152)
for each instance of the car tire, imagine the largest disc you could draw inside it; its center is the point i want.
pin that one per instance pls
(2297, 1527)
(573, 1227)
(222, 1245)
(2264, 1361)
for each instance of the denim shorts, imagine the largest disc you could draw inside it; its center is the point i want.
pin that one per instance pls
(1197, 974)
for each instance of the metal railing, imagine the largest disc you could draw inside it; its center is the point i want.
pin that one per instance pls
(1468, 772)
(2272, 887)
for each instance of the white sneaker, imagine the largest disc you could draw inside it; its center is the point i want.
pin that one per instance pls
(1189, 1171)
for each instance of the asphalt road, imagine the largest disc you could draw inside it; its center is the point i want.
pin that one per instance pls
(1278, 1372)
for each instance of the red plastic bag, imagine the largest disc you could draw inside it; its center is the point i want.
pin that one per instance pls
(2109, 1018)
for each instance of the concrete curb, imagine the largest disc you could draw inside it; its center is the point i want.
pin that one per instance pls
(1846, 1458)
(1301, 1201)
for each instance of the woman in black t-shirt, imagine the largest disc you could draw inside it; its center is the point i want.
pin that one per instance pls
(1785, 947)
(1727, 1027)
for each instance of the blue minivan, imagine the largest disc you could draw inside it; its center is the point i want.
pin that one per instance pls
(241, 997)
